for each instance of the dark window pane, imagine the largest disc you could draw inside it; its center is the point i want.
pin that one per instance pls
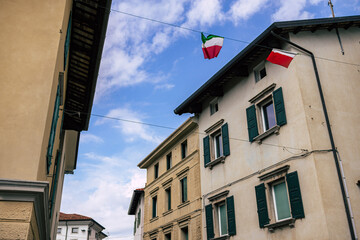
(262, 73)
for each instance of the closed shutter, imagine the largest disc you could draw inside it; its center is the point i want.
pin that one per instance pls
(206, 141)
(225, 139)
(279, 107)
(231, 215)
(297, 209)
(209, 222)
(252, 122)
(261, 205)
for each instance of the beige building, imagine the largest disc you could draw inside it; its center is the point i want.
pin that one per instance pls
(172, 207)
(51, 53)
(279, 155)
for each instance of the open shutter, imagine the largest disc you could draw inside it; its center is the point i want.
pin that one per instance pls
(209, 222)
(252, 122)
(231, 215)
(279, 107)
(261, 205)
(206, 141)
(67, 40)
(297, 209)
(225, 139)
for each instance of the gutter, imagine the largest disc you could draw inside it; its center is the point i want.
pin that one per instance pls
(340, 173)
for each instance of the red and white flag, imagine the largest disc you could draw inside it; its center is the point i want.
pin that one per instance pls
(211, 45)
(281, 57)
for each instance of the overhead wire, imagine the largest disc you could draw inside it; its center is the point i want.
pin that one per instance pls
(199, 31)
(173, 128)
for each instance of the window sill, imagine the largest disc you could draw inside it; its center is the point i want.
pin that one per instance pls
(275, 129)
(287, 222)
(154, 219)
(215, 162)
(221, 238)
(184, 204)
(167, 212)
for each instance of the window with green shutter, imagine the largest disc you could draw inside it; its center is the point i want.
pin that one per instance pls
(231, 215)
(216, 145)
(53, 129)
(286, 199)
(270, 109)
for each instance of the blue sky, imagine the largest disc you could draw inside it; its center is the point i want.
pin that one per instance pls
(147, 70)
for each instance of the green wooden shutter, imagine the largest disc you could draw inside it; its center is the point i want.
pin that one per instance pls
(279, 107)
(297, 209)
(206, 141)
(53, 129)
(231, 215)
(262, 205)
(209, 222)
(225, 139)
(252, 122)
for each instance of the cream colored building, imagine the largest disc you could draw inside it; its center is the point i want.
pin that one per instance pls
(172, 207)
(51, 53)
(279, 176)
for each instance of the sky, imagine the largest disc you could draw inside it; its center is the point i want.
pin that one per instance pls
(147, 70)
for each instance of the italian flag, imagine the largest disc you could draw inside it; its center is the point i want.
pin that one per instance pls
(211, 45)
(281, 57)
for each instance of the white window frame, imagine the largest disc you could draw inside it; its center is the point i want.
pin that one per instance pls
(59, 230)
(218, 205)
(257, 71)
(277, 182)
(261, 106)
(215, 145)
(214, 106)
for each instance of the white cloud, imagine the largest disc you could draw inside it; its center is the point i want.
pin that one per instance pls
(204, 13)
(130, 125)
(292, 10)
(104, 193)
(244, 9)
(90, 138)
(165, 86)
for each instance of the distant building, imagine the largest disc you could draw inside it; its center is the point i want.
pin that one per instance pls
(172, 192)
(51, 55)
(269, 169)
(136, 208)
(78, 227)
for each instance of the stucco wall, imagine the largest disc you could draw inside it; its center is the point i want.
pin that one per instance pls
(305, 129)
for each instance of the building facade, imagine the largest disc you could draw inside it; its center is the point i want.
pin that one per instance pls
(136, 208)
(77, 227)
(172, 192)
(272, 165)
(49, 74)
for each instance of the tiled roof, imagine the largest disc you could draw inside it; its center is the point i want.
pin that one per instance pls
(66, 217)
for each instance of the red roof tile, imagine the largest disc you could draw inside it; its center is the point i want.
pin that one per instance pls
(65, 217)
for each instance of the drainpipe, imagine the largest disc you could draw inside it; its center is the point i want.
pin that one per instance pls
(340, 173)
(66, 223)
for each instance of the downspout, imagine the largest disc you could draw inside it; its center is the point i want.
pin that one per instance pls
(340, 173)
(66, 223)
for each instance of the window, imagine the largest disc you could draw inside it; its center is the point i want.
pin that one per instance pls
(224, 218)
(168, 198)
(154, 207)
(184, 149)
(156, 170)
(185, 233)
(168, 236)
(75, 230)
(285, 200)
(59, 230)
(222, 222)
(183, 183)
(214, 106)
(259, 72)
(216, 145)
(168, 161)
(266, 114)
(138, 218)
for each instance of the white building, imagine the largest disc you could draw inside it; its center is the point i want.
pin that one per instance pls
(78, 227)
(137, 208)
